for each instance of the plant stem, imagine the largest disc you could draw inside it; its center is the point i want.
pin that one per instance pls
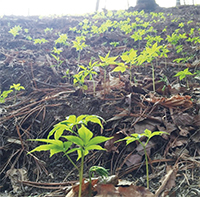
(79, 55)
(153, 77)
(81, 174)
(72, 162)
(147, 168)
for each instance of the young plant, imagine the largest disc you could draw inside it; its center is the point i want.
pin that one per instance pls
(4, 95)
(79, 78)
(26, 30)
(79, 44)
(81, 137)
(106, 61)
(136, 137)
(62, 39)
(137, 36)
(48, 29)
(15, 30)
(114, 43)
(57, 58)
(130, 57)
(148, 55)
(16, 88)
(183, 74)
(40, 41)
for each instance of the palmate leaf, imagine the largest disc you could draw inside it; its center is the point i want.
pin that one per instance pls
(94, 119)
(54, 147)
(74, 139)
(120, 68)
(85, 134)
(94, 147)
(98, 140)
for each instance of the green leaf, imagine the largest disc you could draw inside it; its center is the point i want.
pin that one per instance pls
(85, 134)
(72, 150)
(66, 145)
(156, 133)
(74, 139)
(94, 147)
(98, 140)
(147, 132)
(94, 119)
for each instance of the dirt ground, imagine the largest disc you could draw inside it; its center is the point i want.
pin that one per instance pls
(128, 107)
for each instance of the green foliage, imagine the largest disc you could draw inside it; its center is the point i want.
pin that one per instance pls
(15, 30)
(136, 137)
(114, 43)
(40, 41)
(81, 137)
(183, 74)
(48, 29)
(79, 43)
(26, 30)
(106, 61)
(4, 95)
(129, 57)
(29, 38)
(15, 87)
(79, 79)
(62, 39)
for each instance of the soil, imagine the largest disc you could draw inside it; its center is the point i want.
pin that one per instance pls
(128, 107)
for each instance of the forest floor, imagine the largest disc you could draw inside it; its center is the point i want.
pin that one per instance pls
(39, 51)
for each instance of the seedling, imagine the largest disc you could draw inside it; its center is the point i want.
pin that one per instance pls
(82, 138)
(4, 95)
(130, 57)
(79, 78)
(26, 30)
(15, 30)
(79, 44)
(183, 74)
(106, 61)
(40, 41)
(48, 29)
(148, 55)
(16, 87)
(114, 43)
(136, 137)
(62, 39)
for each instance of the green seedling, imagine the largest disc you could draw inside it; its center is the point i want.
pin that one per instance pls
(102, 172)
(40, 41)
(62, 39)
(26, 30)
(183, 74)
(129, 57)
(57, 58)
(29, 38)
(15, 30)
(4, 95)
(114, 43)
(16, 88)
(136, 137)
(79, 44)
(48, 29)
(106, 61)
(148, 54)
(88, 71)
(137, 36)
(82, 140)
